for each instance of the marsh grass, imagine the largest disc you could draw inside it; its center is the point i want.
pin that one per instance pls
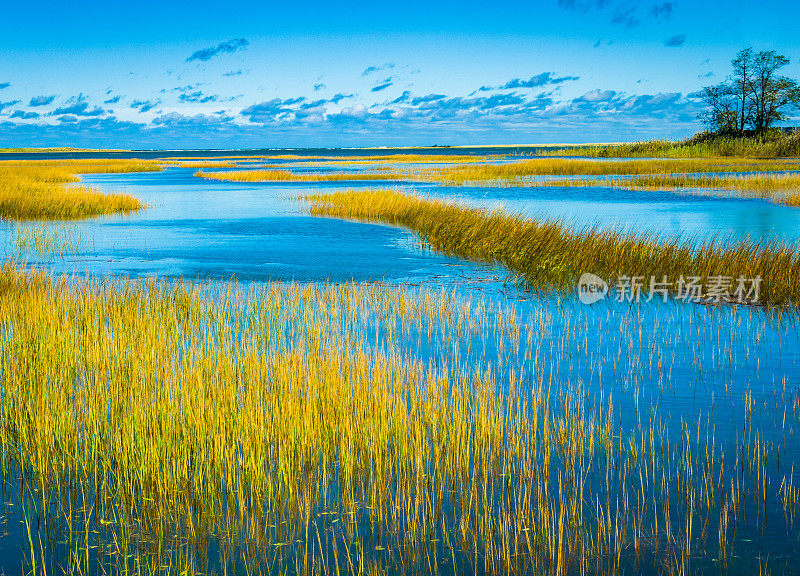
(287, 176)
(791, 199)
(55, 150)
(384, 158)
(37, 190)
(508, 173)
(404, 159)
(142, 422)
(201, 163)
(548, 255)
(781, 188)
(516, 172)
(771, 145)
(224, 157)
(45, 239)
(176, 428)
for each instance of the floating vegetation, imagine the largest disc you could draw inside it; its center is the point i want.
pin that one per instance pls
(37, 190)
(287, 176)
(548, 255)
(149, 428)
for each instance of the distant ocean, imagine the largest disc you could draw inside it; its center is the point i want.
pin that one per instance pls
(343, 152)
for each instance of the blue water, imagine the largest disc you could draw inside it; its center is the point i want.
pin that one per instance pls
(516, 151)
(199, 228)
(662, 214)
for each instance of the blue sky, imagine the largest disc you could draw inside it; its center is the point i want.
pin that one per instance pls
(235, 74)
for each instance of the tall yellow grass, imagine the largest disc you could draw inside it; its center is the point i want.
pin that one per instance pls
(287, 176)
(781, 188)
(511, 172)
(204, 163)
(141, 422)
(549, 255)
(773, 144)
(791, 199)
(37, 190)
(403, 159)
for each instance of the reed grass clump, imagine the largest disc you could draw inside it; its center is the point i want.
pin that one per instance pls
(37, 190)
(548, 255)
(791, 199)
(287, 176)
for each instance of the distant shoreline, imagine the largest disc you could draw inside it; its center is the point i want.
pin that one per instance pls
(31, 150)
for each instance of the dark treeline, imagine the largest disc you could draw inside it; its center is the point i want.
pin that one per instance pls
(755, 96)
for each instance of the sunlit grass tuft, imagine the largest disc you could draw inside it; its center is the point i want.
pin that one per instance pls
(37, 190)
(547, 254)
(791, 199)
